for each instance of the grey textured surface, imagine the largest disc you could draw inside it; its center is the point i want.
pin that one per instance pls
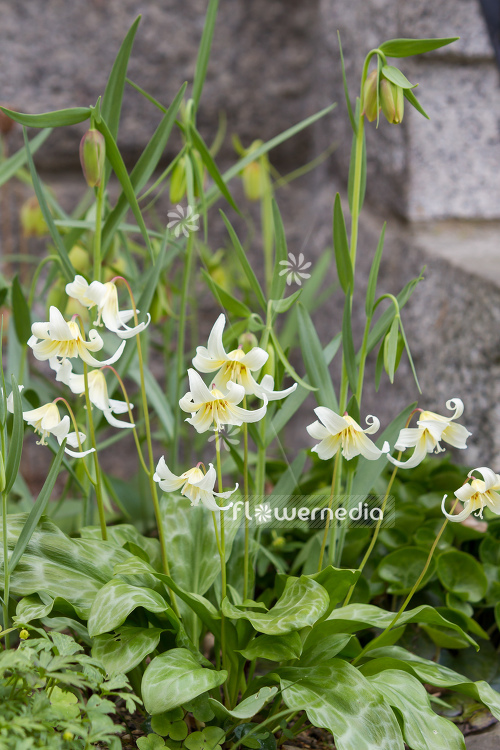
(488, 740)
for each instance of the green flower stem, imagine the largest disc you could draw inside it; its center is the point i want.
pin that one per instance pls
(362, 361)
(6, 576)
(245, 497)
(372, 644)
(77, 433)
(222, 553)
(375, 533)
(330, 505)
(149, 441)
(98, 480)
(266, 212)
(336, 549)
(181, 338)
(98, 231)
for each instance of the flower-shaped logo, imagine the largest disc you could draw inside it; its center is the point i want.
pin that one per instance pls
(263, 513)
(184, 222)
(295, 269)
(232, 437)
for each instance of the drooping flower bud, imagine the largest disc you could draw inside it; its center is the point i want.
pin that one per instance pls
(247, 341)
(270, 366)
(24, 635)
(92, 156)
(392, 100)
(32, 222)
(370, 97)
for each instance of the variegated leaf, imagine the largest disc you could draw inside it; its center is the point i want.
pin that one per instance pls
(125, 649)
(116, 600)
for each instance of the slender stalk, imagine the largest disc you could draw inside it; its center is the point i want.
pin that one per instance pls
(6, 576)
(362, 361)
(371, 645)
(97, 468)
(222, 554)
(181, 338)
(98, 231)
(246, 582)
(375, 533)
(149, 441)
(330, 505)
(335, 551)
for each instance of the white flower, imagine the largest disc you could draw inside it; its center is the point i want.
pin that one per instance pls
(196, 485)
(46, 420)
(295, 269)
(98, 390)
(213, 409)
(344, 432)
(426, 438)
(236, 366)
(105, 296)
(59, 338)
(476, 495)
(183, 223)
(263, 513)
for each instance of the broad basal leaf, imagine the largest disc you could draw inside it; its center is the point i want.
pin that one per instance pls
(123, 650)
(116, 600)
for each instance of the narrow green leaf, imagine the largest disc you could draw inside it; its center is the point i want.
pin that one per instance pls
(247, 268)
(348, 345)
(13, 164)
(144, 168)
(316, 367)
(372, 279)
(341, 247)
(279, 278)
(116, 161)
(225, 299)
(391, 349)
(283, 305)
(204, 51)
(410, 358)
(409, 47)
(288, 367)
(66, 264)
(410, 96)
(157, 399)
(58, 118)
(16, 440)
(21, 312)
(212, 167)
(37, 509)
(382, 325)
(397, 77)
(289, 480)
(379, 365)
(111, 106)
(346, 89)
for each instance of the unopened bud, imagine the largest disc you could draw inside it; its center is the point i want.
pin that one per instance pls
(370, 97)
(92, 156)
(178, 182)
(79, 258)
(392, 100)
(247, 341)
(32, 222)
(68, 736)
(24, 635)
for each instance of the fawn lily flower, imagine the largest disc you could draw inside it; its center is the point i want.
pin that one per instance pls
(427, 436)
(235, 366)
(105, 296)
(212, 408)
(266, 388)
(476, 495)
(98, 390)
(46, 420)
(58, 338)
(196, 485)
(337, 432)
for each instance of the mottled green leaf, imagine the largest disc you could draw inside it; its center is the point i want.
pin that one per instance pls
(116, 600)
(123, 650)
(247, 708)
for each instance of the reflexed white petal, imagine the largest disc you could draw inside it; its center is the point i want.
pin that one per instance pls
(245, 415)
(489, 477)
(459, 516)
(202, 421)
(465, 492)
(119, 407)
(207, 482)
(373, 425)
(255, 359)
(207, 499)
(166, 479)
(215, 347)
(328, 447)
(108, 415)
(200, 394)
(493, 502)
(317, 431)
(59, 329)
(456, 435)
(332, 421)
(235, 393)
(415, 459)
(367, 448)
(90, 360)
(204, 363)
(408, 437)
(266, 387)
(225, 495)
(79, 290)
(10, 399)
(458, 405)
(72, 438)
(186, 402)
(60, 430)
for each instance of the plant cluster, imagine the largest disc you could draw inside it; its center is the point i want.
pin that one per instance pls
(223, 637)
